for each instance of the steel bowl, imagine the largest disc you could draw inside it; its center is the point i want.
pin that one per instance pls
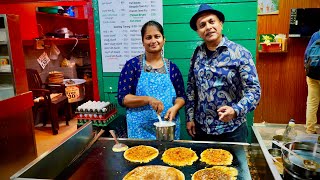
(278, 138)
(294, 167)
(275, 152)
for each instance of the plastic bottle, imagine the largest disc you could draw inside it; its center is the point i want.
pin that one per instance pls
(290, 132)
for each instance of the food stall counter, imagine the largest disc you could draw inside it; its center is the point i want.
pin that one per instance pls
(100, 162)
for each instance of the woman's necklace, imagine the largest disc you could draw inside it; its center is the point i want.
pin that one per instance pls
(156, 64)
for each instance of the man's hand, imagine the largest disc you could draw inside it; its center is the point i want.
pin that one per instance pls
(191, 128)
(226, 113)
(156, 104)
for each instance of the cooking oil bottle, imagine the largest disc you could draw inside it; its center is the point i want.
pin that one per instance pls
(290, 132)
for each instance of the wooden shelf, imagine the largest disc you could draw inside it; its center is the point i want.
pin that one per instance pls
(60, 16)
(57, 41)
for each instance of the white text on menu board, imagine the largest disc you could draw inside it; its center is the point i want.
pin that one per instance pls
(120, 28)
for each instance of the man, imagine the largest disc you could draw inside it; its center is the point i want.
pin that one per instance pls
(223, 84)
(313, 81)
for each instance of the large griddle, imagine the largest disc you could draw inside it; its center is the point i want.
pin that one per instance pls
(100, 162)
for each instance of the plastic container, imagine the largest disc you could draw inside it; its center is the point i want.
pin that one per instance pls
(49, 10)
(290, 132)
(272, 47)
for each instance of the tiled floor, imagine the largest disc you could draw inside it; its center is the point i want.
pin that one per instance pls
(45, 140)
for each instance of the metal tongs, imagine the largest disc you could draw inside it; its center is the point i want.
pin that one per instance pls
(309, 164)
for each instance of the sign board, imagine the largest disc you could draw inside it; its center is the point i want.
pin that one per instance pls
(120, 29)
(75, 93)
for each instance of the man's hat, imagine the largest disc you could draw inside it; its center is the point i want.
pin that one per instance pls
(203, 9)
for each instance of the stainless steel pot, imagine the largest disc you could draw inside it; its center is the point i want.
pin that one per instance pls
(294, 167)
(165, 130)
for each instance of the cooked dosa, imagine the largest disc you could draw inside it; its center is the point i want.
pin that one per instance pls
(216, 157)
(216, 172)
(179, 156)
(141, 154)
(154, 172)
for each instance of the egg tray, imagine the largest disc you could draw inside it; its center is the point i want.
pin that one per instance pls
(109, 108)
(101, 122)
(98, 113)
(104, 116)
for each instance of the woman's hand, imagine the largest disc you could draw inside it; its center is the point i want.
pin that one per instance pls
(156, 104)
(171, 113)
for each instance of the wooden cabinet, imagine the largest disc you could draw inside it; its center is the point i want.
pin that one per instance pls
(35, 24)
(28, 15)
(16, 123)
(7, 87)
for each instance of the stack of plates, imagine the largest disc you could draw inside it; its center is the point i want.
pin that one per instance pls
(55, 77)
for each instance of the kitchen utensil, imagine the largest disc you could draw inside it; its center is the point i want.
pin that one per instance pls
(165, 130)
(275, 152)
(278, 138)
(294, 167)
(118, 147)
(278, 164)
(309, 164)
(159, 117)
(275, 160)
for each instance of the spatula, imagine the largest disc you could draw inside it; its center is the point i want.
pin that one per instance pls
(118, 147)
(159, 118)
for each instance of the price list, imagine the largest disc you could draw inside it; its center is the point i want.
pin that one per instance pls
(120, 25)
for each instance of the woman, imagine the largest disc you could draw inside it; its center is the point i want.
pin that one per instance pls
(149, 85)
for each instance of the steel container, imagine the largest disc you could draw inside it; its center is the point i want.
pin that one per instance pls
(165, 130)
(294, 167)
(275, 152)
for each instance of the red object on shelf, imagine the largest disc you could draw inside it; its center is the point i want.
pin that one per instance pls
(103, 118)
(28, 15)
(83, 24)
(273, 46)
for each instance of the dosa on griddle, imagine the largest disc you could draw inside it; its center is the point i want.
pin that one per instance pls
(141, 154)
(154, 172)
